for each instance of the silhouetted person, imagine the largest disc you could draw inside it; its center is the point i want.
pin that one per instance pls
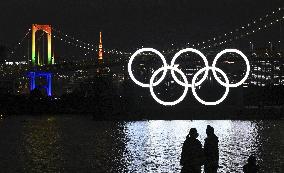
(192, 153)
(251, 166)
(211, 151)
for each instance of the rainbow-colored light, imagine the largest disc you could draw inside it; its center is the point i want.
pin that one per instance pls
(47, 30)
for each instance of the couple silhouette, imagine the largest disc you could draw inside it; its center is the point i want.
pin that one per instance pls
(193, 156)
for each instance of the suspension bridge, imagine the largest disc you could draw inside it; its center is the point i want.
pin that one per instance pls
(37, 50)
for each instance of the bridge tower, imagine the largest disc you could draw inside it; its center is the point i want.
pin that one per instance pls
(46, 75)
(100, 57)
(36, 60)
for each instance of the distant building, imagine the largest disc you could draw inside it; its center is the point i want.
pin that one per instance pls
(267, 68)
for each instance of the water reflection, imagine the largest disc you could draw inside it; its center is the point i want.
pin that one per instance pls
(41, 141)
(156, 145)
(271, 146)
(78, 144)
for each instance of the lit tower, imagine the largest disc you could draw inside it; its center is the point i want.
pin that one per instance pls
(40, 61)
(100, 58)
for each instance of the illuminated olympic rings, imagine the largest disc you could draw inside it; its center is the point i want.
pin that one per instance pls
(174, 68)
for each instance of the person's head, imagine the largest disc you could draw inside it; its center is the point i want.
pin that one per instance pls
(252, 159)
(209, 130)
(193, 133)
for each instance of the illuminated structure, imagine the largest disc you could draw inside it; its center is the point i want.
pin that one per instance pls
(39, 60)
(100, 58)
(194, 83)
(34, 75)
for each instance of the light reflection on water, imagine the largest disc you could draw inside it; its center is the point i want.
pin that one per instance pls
(78, 144)
(41, 145)
(156, 145)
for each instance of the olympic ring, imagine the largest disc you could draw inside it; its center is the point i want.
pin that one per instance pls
(189, 50)
(146, 50)
(173, 67)
(152, 90)
(193, 85)
(247, 64)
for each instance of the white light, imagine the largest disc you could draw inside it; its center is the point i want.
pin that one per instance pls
(214, 69)
(131, 61)
(152, 81)
(174, 67)
(184, 51)
(246, 61)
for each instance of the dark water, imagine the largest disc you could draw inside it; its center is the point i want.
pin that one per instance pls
(78, 144)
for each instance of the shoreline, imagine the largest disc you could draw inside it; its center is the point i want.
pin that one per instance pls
(229, 113)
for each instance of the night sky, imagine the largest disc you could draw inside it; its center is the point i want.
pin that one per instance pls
(128, 24)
